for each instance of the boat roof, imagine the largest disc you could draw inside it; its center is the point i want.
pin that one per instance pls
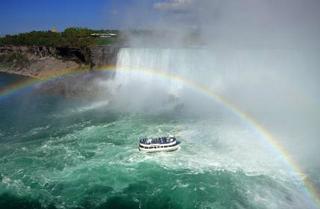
(158, 140)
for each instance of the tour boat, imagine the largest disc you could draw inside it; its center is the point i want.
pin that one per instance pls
(159, 144)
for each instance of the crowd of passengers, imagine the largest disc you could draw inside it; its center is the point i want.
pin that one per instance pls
(161, 140)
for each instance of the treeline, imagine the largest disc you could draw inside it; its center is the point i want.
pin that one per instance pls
(70, 37)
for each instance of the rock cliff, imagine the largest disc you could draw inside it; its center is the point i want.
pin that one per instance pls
(41, 61)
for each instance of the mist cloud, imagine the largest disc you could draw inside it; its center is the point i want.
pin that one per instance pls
(261, 55)
(282, 23)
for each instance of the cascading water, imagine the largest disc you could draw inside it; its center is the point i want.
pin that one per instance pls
(185, 63)
(149, 77)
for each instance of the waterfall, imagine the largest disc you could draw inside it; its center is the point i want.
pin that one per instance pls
(146, 66)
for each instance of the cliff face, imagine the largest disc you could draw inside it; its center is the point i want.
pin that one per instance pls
(103, 55)
(40, 61)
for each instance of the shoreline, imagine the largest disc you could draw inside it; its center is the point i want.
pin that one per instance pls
(16, 73)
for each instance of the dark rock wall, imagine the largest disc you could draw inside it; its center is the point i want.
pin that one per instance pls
(103, 55)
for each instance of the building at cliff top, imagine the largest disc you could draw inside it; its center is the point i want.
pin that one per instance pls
(53, 30)
(103, 35)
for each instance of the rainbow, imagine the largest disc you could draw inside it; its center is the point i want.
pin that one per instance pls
(269, 140)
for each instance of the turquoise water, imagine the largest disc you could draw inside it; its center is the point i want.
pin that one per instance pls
(72, 153)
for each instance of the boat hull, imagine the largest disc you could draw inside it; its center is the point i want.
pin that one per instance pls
(160, 149)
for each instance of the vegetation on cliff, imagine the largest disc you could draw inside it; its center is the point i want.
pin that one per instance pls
(70, 37)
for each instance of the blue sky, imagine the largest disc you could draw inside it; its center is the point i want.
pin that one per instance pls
(24, 15)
